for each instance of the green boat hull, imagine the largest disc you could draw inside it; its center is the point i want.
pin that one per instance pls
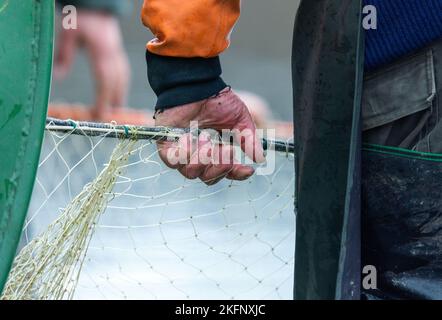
(26, 45)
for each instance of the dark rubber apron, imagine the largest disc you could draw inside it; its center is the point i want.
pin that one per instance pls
(327, 80)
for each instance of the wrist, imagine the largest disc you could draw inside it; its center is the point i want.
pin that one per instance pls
(180, 81)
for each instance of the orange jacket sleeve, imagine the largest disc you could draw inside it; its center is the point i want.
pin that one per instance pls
(190, 28)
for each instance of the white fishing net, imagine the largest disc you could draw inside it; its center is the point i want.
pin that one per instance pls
(159, 236)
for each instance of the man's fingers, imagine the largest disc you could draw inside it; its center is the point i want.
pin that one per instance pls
(188, 150)
(211, 162)
(247, 137)
(199, 160)
(215, 173)
(222, 165)
(176, 154)
(164, 149)
(240, 172)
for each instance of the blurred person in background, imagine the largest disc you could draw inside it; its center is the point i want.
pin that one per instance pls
(98, 33)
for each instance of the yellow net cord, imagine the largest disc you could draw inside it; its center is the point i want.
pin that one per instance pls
(48, 268)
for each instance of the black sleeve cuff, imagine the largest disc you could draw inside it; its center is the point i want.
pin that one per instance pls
(178, 81)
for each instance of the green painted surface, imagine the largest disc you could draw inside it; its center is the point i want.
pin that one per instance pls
(26, 42)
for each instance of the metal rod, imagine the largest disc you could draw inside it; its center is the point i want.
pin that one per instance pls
(93, 129)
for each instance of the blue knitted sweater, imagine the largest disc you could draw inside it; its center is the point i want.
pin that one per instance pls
(403, 26)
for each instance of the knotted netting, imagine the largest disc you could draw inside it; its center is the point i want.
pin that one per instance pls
(108, 220)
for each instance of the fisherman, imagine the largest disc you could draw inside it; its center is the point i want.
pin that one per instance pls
(99, 33)
(398, 89)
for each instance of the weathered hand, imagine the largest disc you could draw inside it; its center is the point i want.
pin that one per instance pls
(99, 33)
(224, 111)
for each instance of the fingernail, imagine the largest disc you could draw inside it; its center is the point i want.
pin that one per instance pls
(247, 175)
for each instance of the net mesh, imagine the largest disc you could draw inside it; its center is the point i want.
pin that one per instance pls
(50, 265)
(164, 237)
